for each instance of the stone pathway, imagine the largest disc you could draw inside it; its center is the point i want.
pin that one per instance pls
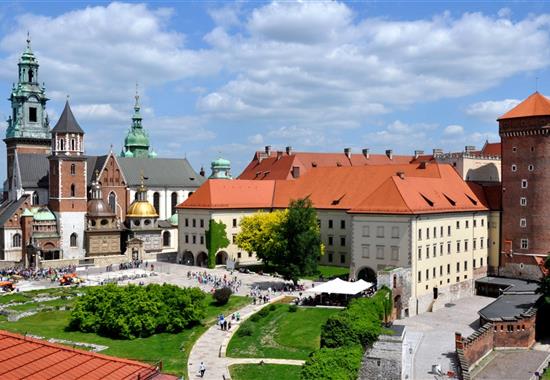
(210, 349)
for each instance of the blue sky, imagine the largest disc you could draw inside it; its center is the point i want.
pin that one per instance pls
(227, 78)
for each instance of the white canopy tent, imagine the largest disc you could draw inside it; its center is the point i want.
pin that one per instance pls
(338, 286)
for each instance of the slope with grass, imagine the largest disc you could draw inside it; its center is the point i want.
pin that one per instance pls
(172, 349)
(264, 371)
(275, 332)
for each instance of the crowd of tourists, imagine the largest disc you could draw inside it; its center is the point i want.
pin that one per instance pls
(18, 273)
(217, 282)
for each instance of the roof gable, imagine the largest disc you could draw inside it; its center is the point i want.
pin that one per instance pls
(67, 122)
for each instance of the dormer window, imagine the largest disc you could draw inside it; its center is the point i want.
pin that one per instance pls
(33, 118)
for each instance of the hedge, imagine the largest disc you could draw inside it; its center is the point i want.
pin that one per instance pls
(333, 364)
(137, 311)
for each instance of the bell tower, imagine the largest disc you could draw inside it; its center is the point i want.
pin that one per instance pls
(68, 169)
(28, 126)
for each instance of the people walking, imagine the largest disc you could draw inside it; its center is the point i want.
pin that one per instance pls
(202, 369)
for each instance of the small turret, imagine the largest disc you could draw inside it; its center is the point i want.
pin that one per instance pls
(221, 169)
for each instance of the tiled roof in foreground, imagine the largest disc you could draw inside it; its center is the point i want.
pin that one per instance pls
(23, 357)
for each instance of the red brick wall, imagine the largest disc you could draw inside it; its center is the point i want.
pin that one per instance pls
(61, 180)
(477, 346)
(515, 334)
(112, 181)
(532, 148)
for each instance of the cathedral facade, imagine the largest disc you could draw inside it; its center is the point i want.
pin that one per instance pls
(62, 206)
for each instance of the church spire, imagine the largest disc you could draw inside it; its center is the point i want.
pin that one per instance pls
(136, 143)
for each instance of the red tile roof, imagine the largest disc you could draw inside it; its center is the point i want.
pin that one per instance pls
(535, 105)
(23, 357)
(491, 149)
(279, 164)
(405, 188)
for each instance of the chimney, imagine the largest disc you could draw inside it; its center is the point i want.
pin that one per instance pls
(268, 150)
(347, 152)
(366, 152)
(288, 150)
(401, 175)
(437, 152)
(389, 153)
(279, 155)
(418, 153)
(202, 173)
(295, 172)
(469, 148)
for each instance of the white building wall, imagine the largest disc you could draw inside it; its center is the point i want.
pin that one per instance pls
(70, 222)
(336, 235)
(12, 253)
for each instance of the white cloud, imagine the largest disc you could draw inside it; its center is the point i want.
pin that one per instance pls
(490, 110)
(402, 138)
(453, 130)
(256, 139)
(99, 112)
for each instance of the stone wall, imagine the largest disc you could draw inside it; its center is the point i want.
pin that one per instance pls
(399, 281)
(384, 360)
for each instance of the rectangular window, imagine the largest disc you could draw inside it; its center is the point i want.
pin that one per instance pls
(366, 231)
(33, 117)
(342, 259)
(435, 250)
(448, 268)
(440, 249)
(239, 255)
(441, 231)
(419, 253)
(186, 222)
(435, 232)
(474, 262)
(524, 243)
(194, 239)
(330, 223)
(457, 267)
(394, 253)
(395, 232)
(419, 234)
(481, 243)
(330, 240)
(523, 222)
(475, 244)
(194, 223)
(524, 184)
(343, 224)
(482, 222)
(441, 270)
(458, 224)
(475, 223)
(366, 251)
(448, 230)
(448, 248)
(330, 257)
(234, 239)
(202, 223)
(249, 254)
(419, 276)
(481, 262)
(465, 265)
(467, 224)
(342, 241)
(427, 233)
(465, 245)
(433, 272)
(234, 223)
(523, 201)
(380, 231)
(379, 251)
(427, 274)
(202, 239)
(427, 251)
(186, 239)
(458, 246)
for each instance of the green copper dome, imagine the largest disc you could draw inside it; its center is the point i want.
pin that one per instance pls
(44, 215)
(136, 143)
(27, 212)
(136, 138)
(221, 163)
(221, 169)
(174, 219)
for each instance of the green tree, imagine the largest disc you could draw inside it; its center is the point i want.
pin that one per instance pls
(544, 287)
(216, 239)
(261, 233)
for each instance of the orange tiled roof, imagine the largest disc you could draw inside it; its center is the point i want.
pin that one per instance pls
(535, 105)
(28, 358)
(279, 164)
(362, 189)
(491, 149)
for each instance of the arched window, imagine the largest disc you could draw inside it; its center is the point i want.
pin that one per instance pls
(74, 238)
(166, 239)
(17, 240)
(174, 202)
(73, 169)
(112, 201)
(31, 75)
(72, 144)
(35, 200)
(73, 190)
(61, 144)
(156, 201)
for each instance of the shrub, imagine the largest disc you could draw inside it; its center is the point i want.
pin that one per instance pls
(256, 317)
(333, 364)
(292, 308)
(137, 311)
(222, 295)
(263, 312)
(244, 330)
(272, 307)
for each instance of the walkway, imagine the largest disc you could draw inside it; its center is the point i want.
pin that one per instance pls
(211, 346)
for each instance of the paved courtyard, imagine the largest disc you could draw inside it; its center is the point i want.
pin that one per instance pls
(433, 335)
(504, 365)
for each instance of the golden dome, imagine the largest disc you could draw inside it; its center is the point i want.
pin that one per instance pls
(142, 209)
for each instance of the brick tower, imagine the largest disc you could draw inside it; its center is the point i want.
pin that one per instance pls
(525, 236)
(28, 127)
(68, 183)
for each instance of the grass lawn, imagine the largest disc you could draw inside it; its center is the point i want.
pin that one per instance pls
(264, 372)
(281, 334)
(172, 349)
(329, 272)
